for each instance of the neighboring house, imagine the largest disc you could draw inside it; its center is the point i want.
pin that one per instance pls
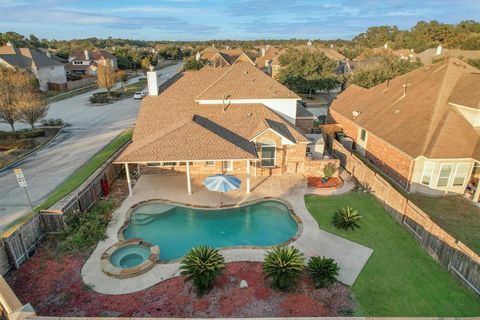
(224, 58)
(234, 119)
(432, 55)
(375, 56)
(85, 62)
(422, 129)
(46, 70)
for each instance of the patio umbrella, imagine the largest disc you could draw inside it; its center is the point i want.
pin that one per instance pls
(222, 183)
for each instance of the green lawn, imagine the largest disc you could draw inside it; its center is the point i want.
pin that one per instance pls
(130, 89)
(400, 278)
(455, 214)
(82, 174)
(79, 176)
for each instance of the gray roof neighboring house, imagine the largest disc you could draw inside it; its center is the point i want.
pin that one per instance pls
(26, 58)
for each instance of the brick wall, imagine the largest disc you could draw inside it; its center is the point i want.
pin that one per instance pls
(314, 167)
(389, 159)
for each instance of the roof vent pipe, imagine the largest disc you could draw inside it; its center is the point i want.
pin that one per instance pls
(87, 55)
(405, 89)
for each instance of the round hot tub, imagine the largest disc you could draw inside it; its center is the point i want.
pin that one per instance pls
(129, 258)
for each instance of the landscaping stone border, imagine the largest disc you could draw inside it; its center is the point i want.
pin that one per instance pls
(122, 273)
(294, 216)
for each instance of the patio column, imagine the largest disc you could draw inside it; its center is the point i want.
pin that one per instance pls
(248, 176)
(476, 196)
(189, 183)
(129, 182)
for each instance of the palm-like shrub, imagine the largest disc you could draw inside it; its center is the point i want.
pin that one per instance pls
(202, 265)
(284, 265)
(346, 218)
(328, 171)
(324, 271)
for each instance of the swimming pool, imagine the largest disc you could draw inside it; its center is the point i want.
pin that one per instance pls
(177, 229)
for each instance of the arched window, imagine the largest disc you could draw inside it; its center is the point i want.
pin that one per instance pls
(268, 154)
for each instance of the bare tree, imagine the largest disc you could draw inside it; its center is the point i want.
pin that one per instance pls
(9, 83)
(32, 107)
(106, 77)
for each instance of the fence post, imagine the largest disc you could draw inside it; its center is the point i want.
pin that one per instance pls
(12, 254)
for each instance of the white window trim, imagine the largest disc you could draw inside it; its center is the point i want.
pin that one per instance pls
(209, 165)
(274, 158)
(154, 164)
(229, 167)
(449, 182)
(464, 178)
(431, 174)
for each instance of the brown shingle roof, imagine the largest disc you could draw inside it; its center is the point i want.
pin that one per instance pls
(93, 55)
(422, 122)
(245, 81)
(26, 58)
(467, 91)
(173, 127)
(428, 55)
(269, 55)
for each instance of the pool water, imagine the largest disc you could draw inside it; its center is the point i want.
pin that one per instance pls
(129, 256)
(178, 229)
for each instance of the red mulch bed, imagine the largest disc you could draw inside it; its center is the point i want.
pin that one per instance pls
(318, 183)
(54, 288)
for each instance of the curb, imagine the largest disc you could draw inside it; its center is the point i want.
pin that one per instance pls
(9, 166)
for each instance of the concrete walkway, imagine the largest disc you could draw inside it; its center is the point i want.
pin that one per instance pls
(350, 256)
(347, 186)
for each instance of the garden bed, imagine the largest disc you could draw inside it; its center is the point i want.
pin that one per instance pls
(332, 183)
(54, 287)
(14, 146)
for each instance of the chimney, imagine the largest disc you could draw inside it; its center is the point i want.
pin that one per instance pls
(197, 56)
(9, 44)
(439, 50)
(49, 54)
(385, 46)
(152, 83)
(264, 51)
(87, 55)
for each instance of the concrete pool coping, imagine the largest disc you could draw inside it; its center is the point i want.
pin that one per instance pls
(312, 241)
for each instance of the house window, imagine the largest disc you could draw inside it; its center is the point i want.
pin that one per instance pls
(445, 173)
(268, 154)
(460, 174)
(154, 164)
(210, 163)
(363, 134)
(184, 163)
(428, 168)
(169, 164)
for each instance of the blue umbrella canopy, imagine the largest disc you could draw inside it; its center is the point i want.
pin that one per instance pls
(222, 183)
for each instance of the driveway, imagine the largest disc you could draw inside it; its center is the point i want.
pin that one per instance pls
(90, 129)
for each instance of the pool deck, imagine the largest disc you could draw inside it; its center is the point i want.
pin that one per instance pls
(350, 256)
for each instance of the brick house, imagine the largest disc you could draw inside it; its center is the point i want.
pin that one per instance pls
(234, 119)
(422, 129)
(85, 62)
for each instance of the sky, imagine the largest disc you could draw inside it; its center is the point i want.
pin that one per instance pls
(227, 19)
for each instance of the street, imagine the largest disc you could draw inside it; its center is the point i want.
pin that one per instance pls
(89, 129)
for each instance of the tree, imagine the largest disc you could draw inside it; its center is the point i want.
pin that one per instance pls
(32, 107)
(18, 90)
(307, 70)
(389, 68)
(122, 77)
(106, 77)
(146, 64)
(194, 64)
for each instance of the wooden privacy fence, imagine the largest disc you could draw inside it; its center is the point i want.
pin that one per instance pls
(451, 253)
(21, 244)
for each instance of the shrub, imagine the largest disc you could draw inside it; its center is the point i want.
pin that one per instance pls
(346, 218)
(50, 122)
(202, 265)
(328, 171)
(284, 265)
(324, 271)
(84, 230)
